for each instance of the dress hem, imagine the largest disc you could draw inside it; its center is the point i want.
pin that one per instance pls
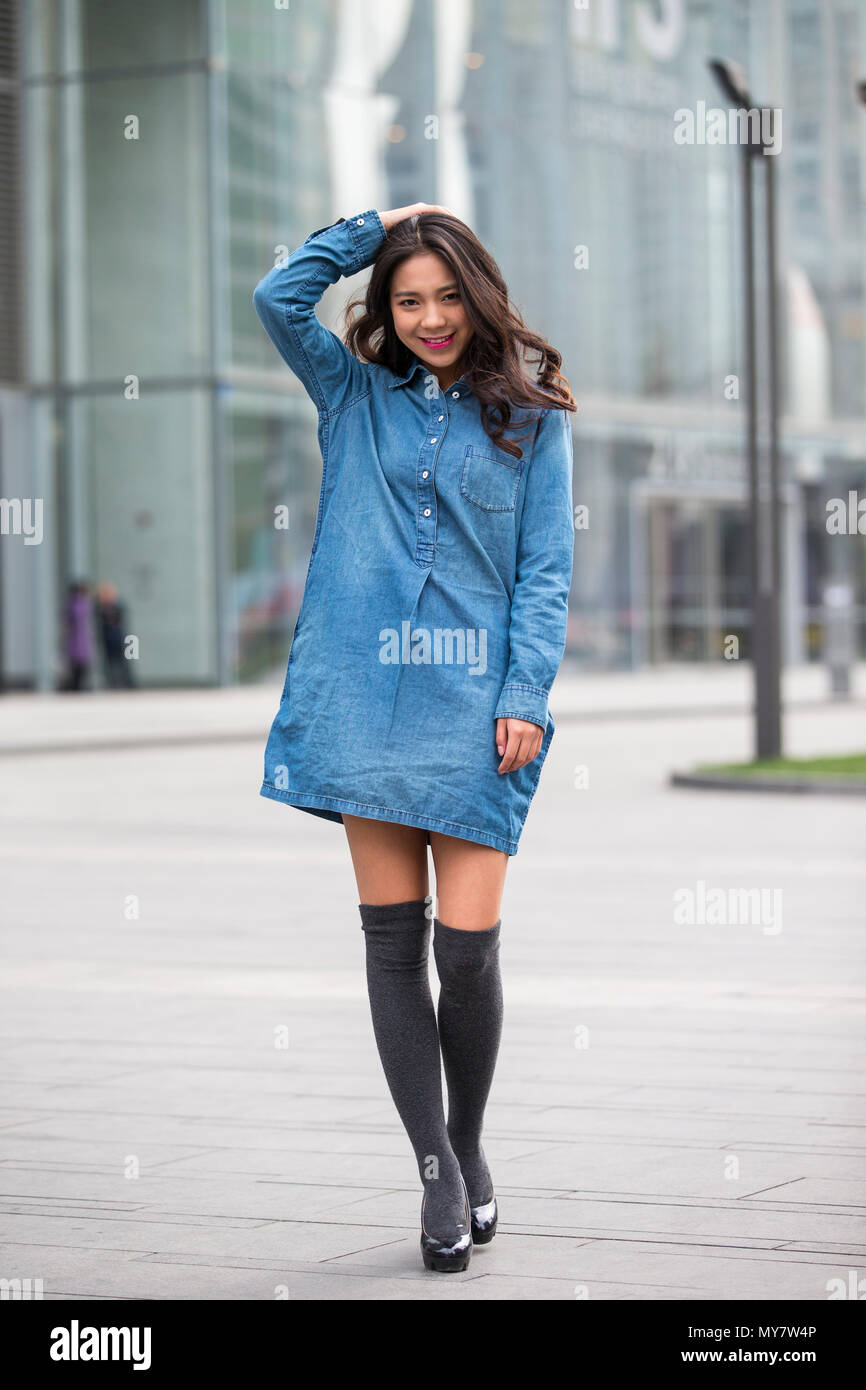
(306, 801)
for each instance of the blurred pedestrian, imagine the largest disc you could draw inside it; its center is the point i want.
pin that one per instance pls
(77, 636)
(111, 617)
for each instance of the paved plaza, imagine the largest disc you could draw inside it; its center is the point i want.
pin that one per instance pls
(192, 1102)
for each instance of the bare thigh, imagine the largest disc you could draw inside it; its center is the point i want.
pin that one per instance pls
(469, 882)
(390, 860)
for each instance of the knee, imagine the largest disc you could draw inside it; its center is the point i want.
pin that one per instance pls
(465, 956)
(397, 934)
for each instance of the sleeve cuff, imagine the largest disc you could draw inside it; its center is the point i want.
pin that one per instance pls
(523, 702)
(366, 233)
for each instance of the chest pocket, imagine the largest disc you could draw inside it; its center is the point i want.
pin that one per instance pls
(490, 478)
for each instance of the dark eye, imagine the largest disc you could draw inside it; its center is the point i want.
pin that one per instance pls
(402, 303)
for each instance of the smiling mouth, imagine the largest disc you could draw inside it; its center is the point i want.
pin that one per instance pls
(438, 342)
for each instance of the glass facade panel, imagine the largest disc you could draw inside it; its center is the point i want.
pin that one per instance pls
(120, 333)
(278, 192)
(70, 36)
(137, 239)
(125, 31)
(146, 510)
(294, 38)
(275, 475)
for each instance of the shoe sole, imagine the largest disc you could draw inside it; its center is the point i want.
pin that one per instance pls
(446, 1264)
(484, 1237)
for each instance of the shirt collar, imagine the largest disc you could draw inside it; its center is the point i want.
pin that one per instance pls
(407, 376)
(417, 365)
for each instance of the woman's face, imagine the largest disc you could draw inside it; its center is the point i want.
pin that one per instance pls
(427, 309)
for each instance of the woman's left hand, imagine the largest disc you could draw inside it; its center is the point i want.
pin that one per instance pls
(517, 743)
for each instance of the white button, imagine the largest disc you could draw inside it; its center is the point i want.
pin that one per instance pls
(433, 440)
(425, 474)
(441, 417)
(456, 395)
(426, 511)
(359, 222)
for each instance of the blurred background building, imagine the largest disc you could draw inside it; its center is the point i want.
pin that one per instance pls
(155, 161)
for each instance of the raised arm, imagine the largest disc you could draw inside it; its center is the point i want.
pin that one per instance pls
(286, 298)
(545, 559)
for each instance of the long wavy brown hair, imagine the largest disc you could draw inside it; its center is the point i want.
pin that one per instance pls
(494, 364)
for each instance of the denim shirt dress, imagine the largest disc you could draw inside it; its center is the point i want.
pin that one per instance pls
(436, 595)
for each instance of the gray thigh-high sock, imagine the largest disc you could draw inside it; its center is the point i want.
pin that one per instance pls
(404, 1023)
(470, 1027)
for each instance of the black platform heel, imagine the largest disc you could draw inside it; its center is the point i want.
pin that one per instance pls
(484, 1222)
(448, 1259)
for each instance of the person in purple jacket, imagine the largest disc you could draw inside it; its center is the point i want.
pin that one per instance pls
(77, 636)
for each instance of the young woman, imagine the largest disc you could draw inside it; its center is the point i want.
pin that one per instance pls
(414, 709)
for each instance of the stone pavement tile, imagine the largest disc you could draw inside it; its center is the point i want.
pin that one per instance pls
(264, 1082)
(38, 1152)
(137, 1133)
(378, 1159)
(193, 1102)
(619, 1275)
(646, 1126)
(327, 1045)
(650, 1236)
(189, 1281)
(726, 1101)
(747, 1279)
(128, 1130)
(47, 1074)
(619, 1069)
(409, 1281)
(827, 1247)
(143, 1233)
(12, 1118)
(193, 1199)
(823, 1191)
(714, 1223)
(535, 1256)
(723, 1272)
(120, 1274)
(685, 1169)
(82, 1274)
(252, 1208)
(134, 1233)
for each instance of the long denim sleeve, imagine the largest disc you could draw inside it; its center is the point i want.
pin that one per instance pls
(286, 298)
(545, 557)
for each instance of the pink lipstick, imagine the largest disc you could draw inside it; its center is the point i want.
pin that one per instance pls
(436, 343)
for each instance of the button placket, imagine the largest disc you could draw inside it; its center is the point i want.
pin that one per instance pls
(425, 549)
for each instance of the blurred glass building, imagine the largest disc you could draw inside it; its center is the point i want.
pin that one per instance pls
(157, 159)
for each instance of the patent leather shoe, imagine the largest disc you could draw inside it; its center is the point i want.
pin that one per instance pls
(448, 1258)
(484, 1221)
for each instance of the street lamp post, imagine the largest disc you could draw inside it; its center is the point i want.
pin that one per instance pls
(764, 499)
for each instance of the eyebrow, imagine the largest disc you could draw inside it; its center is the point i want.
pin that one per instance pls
(399, 294)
